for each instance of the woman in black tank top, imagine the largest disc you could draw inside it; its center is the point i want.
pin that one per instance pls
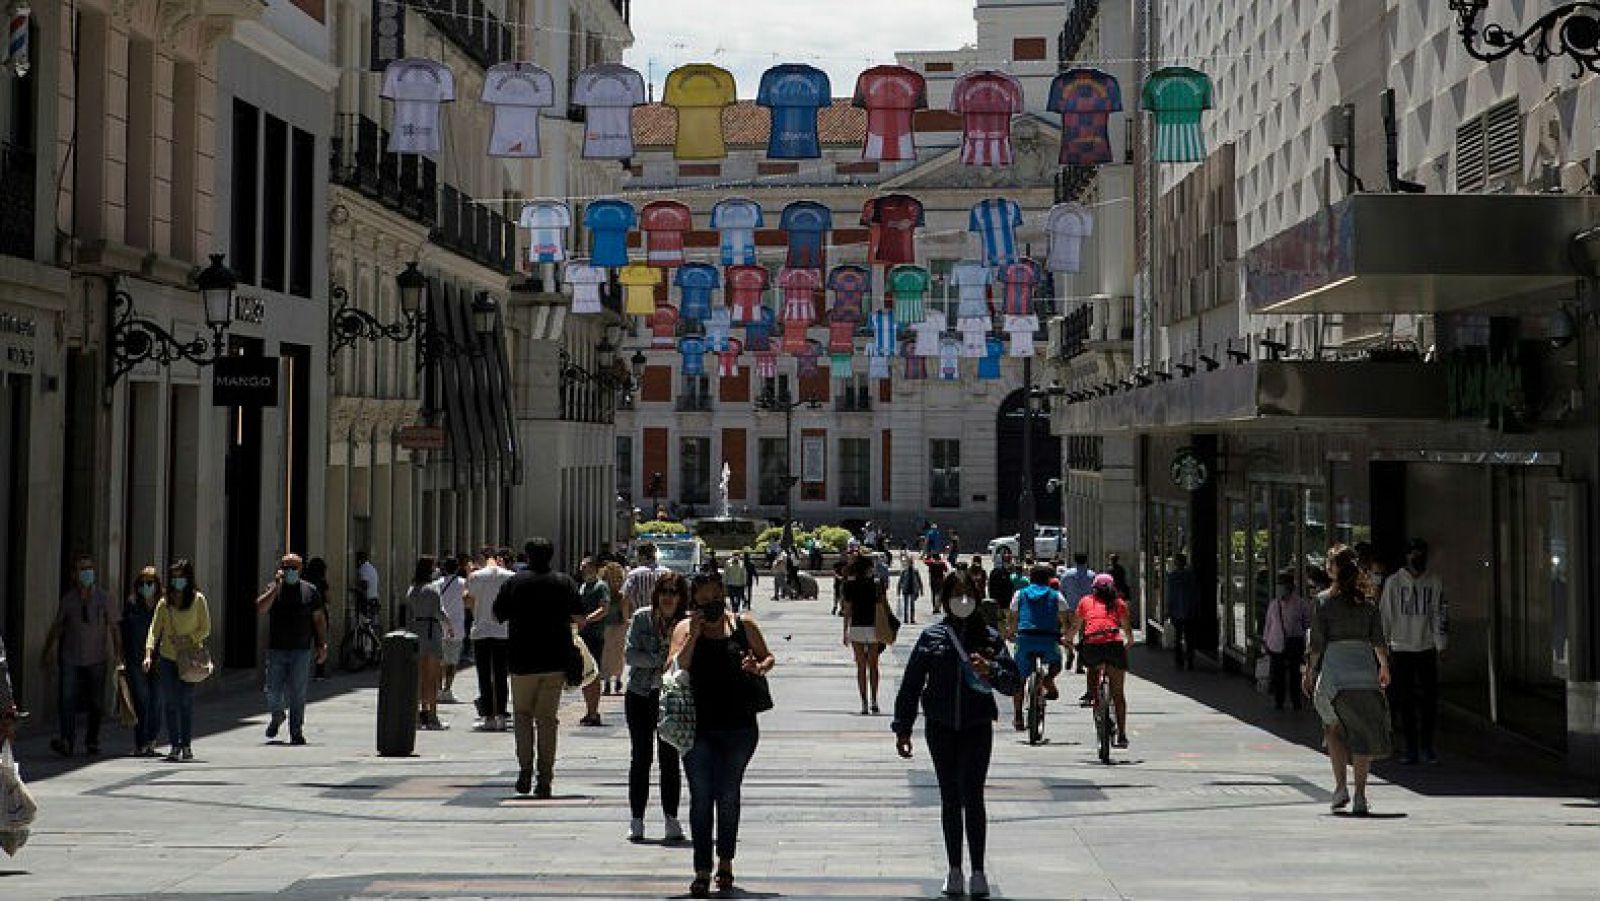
(861, 596)
(721, 653)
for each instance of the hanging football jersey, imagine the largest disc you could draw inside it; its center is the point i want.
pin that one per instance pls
(908, 283)
(1067, 226)
(608, 92)
(973, 334)
(996, 220)
(800, 294)
(874, 230)
(1021, 330)
(608, 222)
(878, 364)
(745, 285)
(1018, 281)
(736, 220)
(417, 87)
(928, 332)
(664, 223)
(585, 281)
(794, 92)
(758, 334)
(949, 359)
(916, 367)
(767, 364)
(841, 337)
(885, 333)
(841, 366)
(547, 222)
(896, 218)
(1178, 97)
(694, 355)
(639, 288)
(986, 100)
(807, 224)
(719, 328)
(1085, 98)
(806, 360)
(972, 280)
(695, 282)
(664, 325)
(851, 285)
(989, 366)
(728, 358)
(698, 92)
(890, 94)
(517, 91)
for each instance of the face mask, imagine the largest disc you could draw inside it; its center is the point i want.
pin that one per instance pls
(147, 591)
(291, 576)
(179, 583)
(962, 606)
(714, 609)
(86, 577)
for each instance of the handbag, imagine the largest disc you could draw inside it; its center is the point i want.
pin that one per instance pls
(756, 689)
(676, 722)
(127, 715)
(194, 663)
(17, 807)
(886, 624)
(581, 666)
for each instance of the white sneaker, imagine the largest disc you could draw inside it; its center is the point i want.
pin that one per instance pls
(636, 830)
(446, 697)
(955, 883)
(1341, 799)
(978, 886)
(674, 831)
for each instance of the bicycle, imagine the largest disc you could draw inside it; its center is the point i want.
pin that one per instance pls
(361, 646)
(1104, 724)
(1034, 699)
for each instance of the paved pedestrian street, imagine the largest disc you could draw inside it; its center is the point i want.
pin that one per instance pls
(1218, 797)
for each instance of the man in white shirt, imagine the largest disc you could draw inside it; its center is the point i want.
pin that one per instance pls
(489, 638)
(1416, 620)
(641, 580)
(452, 596)
(367, 579)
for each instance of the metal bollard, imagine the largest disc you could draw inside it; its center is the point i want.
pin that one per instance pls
(397, 695)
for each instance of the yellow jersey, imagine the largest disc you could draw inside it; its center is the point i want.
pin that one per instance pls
(699, 91)
(639, 288)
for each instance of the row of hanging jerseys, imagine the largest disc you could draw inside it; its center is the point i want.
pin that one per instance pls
(986, 99)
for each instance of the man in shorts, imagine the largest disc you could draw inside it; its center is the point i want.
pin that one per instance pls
(1039, 620)
(452, 594)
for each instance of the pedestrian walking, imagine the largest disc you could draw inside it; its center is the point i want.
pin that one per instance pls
(861, 596)
(1183, 605)
(737, 579)
(953, 673)
(908, 587)
(1287, 621)
(297, 631)
(1346, 673)
(489, 639)
(181, 624)
(725, 656)
(595, 600)
(936, 573)
(431, 627)
(452, 588)
(615, 575)
(540, 608)
(316, 574)
(1119, 576)
(1416, 619)
(648, 641)
(138, 614)
(366, 583)
(86, 634)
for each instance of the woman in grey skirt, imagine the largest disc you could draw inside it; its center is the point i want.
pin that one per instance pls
(1346, 672)
(432, 627)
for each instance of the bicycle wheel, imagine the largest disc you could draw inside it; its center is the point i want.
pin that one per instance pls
(1035, 706)
(1102, 717)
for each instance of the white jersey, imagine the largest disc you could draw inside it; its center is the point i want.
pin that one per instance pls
(517, 91)
(1021, 329)
(719, 327)
(928, 332)
(737, 219)
(585, 281)
(547, 222)
(974, 336)
(417, 87)
(972, 280)
(1068, 225)
(609, 92)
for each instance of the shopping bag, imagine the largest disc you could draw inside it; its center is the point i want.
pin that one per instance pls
(17, 808)
(127, 714)
(676, 723)
(194, 663)
(582, 669)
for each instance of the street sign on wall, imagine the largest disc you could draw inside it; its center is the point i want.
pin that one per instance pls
(244, 382)
(421, 437)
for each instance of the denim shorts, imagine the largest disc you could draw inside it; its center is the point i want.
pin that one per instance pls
(1046, 647)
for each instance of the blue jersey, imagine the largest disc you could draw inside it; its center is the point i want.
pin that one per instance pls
(758, 335)
(989, 364)
(794, 92)
(694, 359)
(807, 224)
(885, 333)
(608, 222)
(996, 220)
(1039, 609)
(736, 220)
(696, 281)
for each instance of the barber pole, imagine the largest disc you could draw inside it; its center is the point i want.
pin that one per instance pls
(17, 40)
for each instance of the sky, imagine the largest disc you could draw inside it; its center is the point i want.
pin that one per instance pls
(746, 37)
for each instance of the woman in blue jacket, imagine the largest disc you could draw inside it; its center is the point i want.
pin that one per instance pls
(955, 670)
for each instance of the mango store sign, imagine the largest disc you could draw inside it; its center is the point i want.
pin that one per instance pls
(245, 382)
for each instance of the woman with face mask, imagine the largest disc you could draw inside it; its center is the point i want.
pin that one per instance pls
(721, 653)
(956, 668)
(182, 622)
(645, 648)
(138, 614)
(861, 594)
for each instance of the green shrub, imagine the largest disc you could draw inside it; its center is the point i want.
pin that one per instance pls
(832, 538)
(660, 527)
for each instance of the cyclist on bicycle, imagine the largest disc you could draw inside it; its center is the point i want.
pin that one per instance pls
(1038, 621)
(1101, 619)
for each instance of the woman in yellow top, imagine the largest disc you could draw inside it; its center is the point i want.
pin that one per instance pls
(182, 622)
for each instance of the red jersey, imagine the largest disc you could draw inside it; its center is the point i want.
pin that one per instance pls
(664, 223)
(895, 218)
(664, 325)
(744, 285)
(1101, 626)
(728, 358)
(986, 100)
(889, 94)
(767, 364)
(841, 337)
(1019, 279)
(800, 294)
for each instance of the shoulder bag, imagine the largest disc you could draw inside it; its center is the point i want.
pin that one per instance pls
(194, 663)
(756, 689)
(676, 722)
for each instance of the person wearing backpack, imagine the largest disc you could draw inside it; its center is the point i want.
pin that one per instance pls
(954, 672)
(1037, 620)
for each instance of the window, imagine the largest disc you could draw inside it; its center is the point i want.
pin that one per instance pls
(1489, 148)
(855, 472)
(695, 394)
(1029, 48)
(242, 194)
(625, 467)
(942, 293)
(774, 463)
(274, 203)
(302, 199)
(944, 473)
(694, 471)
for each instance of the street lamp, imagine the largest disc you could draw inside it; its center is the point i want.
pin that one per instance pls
(1571, 30)
(348, 324)
(131, 340)
(780, 402)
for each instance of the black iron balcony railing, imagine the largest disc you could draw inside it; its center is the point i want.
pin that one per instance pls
(360, 161)
(474, 30)
(1074, 330)
(1075, 30)
(697, 402)
(854, 399)
(17, 168)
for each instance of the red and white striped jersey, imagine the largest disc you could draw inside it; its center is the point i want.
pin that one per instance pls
(664, 223)
(743, 285)
(800, 288)
(986, 100)
(890, 94)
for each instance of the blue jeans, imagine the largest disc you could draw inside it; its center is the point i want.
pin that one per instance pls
(82, 686)
(177, 699)
(716, 767)
(288, 673)
(142, 686)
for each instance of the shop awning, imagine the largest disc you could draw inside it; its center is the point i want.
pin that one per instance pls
(1268, 393)
(1420, 253)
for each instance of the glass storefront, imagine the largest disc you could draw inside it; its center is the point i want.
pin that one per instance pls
(1281, 527)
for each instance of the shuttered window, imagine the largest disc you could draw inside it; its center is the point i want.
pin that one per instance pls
(1489, 149)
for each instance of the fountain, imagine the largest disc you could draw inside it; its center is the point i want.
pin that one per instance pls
(726, 532)
(722, 493)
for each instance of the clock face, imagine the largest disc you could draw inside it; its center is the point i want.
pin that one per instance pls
(1189, 472)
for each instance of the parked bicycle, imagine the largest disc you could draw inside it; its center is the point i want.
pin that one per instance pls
(362, 646)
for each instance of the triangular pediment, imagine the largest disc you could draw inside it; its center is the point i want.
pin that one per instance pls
(1036, 144)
